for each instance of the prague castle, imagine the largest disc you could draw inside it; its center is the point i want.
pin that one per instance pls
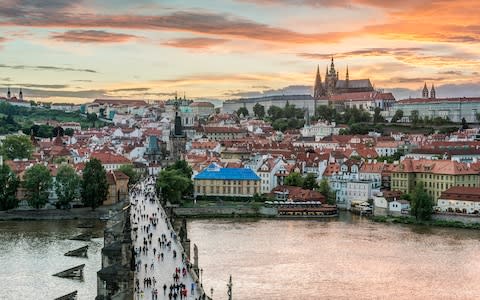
(333, 84)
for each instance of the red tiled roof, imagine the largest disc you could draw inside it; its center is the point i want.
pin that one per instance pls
(110, 158)
(445, 167)
(462, 193)
(362, 96)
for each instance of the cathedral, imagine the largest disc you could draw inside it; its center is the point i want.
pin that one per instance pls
(333, 84)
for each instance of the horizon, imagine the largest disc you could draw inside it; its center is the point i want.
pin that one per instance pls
(66, 52)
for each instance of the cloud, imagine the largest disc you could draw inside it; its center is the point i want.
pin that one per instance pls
(184, 21)
(5, 79)
(42, 86)
(410, 55)
(414, 79)
(457, 73)
(82, 80)
(131, 90)
(337, 3)
(194, 43)
(46, 68)
(92, 36)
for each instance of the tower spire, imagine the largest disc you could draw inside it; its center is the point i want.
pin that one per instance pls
(318, 87)
(425, 91)
(432, 92)
(347, 78)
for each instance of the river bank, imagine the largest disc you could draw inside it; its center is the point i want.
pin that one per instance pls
(84, 213)
(434, 222)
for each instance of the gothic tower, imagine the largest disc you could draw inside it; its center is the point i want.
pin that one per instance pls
(432, 92)
(425, 91)
(332, 79)
(318, 90)
(347, 79)
(178, 139)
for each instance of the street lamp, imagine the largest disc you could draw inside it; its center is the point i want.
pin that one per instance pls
(211, 293)
(201, 277)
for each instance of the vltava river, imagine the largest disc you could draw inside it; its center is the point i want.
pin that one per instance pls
(346, 259)
(31, 251)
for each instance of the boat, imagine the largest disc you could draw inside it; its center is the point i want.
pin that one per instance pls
(312, 209)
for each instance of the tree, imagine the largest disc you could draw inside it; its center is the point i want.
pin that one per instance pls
(414, 117)
(326, 191)
(464, 124)
(397, 116)
(37, 182)
(275, 112)
(58, 131)
(67, 185)
(242, 111)
(183, 167)
(310, 182)
(421, 203)
(133, 176)
(377, 117)
(172, 185)
(17, 146)
(92, 117)
(69, 131)
(8, 188)
(94, 184)
(259, 111)
(294, 179)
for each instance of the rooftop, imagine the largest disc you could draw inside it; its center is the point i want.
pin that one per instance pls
(215, 172)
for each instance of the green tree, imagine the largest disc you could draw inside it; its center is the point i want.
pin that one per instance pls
(259, 110)
(326, 191)
(183, 167)
(275, 112)
(94, 184)
(69, 131)
(67, 185)
(133, 176)
(17, 146)
(397, 116)
(421, 203)
(58, 131)
(280, 124)
(242, 111)
(377, 117)
(310, 182)
(415, 117)
(464, 124)
(294, 179)
(37, 182)
(8, 188)
(92, 117)
(172, 185)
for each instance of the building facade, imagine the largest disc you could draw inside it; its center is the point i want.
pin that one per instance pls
(436, 176)
(215, 181)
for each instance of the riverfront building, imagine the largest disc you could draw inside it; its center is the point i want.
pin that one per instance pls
(436, 175)
(458, 199)
(215, 181)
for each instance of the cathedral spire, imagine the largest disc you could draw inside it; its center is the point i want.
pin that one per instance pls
(425, 91)
(318, 87)
(347, 78)
(332, 67)
(432, 92)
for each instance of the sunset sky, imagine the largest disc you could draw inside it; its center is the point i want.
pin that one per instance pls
(76, 51)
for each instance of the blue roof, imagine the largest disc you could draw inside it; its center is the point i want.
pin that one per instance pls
(215, 172)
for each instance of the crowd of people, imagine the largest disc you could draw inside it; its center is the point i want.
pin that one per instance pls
(155, 250)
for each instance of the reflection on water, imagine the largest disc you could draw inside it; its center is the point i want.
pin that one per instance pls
(350, 258)
(31, 251)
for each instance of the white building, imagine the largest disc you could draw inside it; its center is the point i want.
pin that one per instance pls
(320, 130)
(460, 199)
(267, 173)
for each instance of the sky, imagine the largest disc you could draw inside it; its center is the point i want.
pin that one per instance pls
(76, 51)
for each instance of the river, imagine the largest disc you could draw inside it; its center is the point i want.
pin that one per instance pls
(351, 258)
(31, 251)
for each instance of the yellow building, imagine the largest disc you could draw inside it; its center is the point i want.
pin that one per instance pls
(436, 175)
(226, 182)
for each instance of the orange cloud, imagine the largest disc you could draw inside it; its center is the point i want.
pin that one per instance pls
(92, 36)
(194, 43)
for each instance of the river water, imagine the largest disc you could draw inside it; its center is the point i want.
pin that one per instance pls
(31, 251)
(350, 258)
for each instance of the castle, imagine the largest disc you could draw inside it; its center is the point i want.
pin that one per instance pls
(333, 85)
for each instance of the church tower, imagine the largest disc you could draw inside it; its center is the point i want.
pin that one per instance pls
(425, 91)
(347, 79)
(332, 79)
(318, 90)
(9, 94)
(432, 92)
(178, 139)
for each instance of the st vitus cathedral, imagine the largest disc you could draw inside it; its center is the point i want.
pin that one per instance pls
(334, 85)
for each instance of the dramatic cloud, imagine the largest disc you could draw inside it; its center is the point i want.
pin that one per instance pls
(443, 91)
(42, 86)
(92, 36)
(186, 21)
(131, 90)
(194, 43)
(45, 68)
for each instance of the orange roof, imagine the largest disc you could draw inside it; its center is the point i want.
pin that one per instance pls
(445, 167)
(110, 158)
(462, 193)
